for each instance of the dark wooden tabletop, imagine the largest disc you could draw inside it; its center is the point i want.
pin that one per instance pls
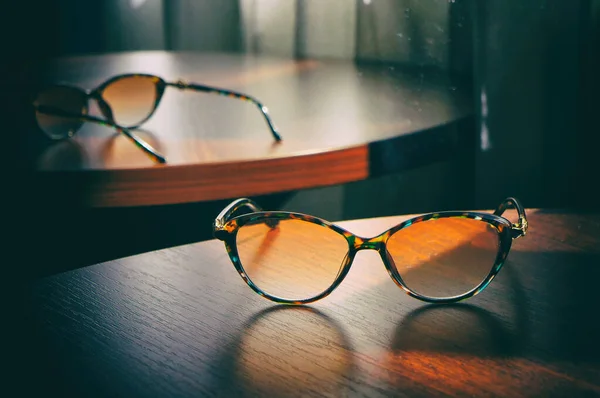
(181, 322)
(340, 122)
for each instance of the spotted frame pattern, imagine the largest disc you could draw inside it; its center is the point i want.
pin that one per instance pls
(160, 87)
(226, 226)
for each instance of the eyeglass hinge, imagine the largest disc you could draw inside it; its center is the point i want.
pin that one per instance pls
(219, 231)
(520, 229)
(180, 84)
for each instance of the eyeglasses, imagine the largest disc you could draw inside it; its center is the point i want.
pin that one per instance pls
(125, 101)
(295, 258)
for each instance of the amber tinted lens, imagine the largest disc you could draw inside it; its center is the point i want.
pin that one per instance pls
(296, 260)
(131, 99)
(65, 99)
(446, 257)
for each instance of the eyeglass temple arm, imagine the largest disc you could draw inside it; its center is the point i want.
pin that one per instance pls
(228, 212)
(208, 89)
(140, 143)
(520, 228)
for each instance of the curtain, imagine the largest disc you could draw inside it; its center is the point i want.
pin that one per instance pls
(415, 32)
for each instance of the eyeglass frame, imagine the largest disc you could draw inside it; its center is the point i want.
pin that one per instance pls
(160, 85)
(226, 226)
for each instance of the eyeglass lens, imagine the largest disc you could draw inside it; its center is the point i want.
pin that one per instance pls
(444, 257)
(131, 99)
(295, 260)
(299, 260)
(67, 99)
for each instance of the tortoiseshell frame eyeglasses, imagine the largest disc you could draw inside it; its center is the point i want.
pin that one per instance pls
(226, 226)
(160, 87)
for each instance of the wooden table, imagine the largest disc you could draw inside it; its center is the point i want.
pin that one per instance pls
(340, 122)
(181, 322)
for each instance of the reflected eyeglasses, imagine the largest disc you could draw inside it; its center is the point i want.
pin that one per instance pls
(125, 101)
(294, 258)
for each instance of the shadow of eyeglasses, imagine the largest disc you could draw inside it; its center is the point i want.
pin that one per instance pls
(72, 155)
(109, 146)
(63, 155)
(285, 351)
(468, 329)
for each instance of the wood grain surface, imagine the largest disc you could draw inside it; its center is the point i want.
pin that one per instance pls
(338, 119)
(181, 322)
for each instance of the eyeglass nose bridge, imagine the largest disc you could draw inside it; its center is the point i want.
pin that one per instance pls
(377, 243)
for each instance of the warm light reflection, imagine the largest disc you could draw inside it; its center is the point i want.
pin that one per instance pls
(467, 351)
(468, 375)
